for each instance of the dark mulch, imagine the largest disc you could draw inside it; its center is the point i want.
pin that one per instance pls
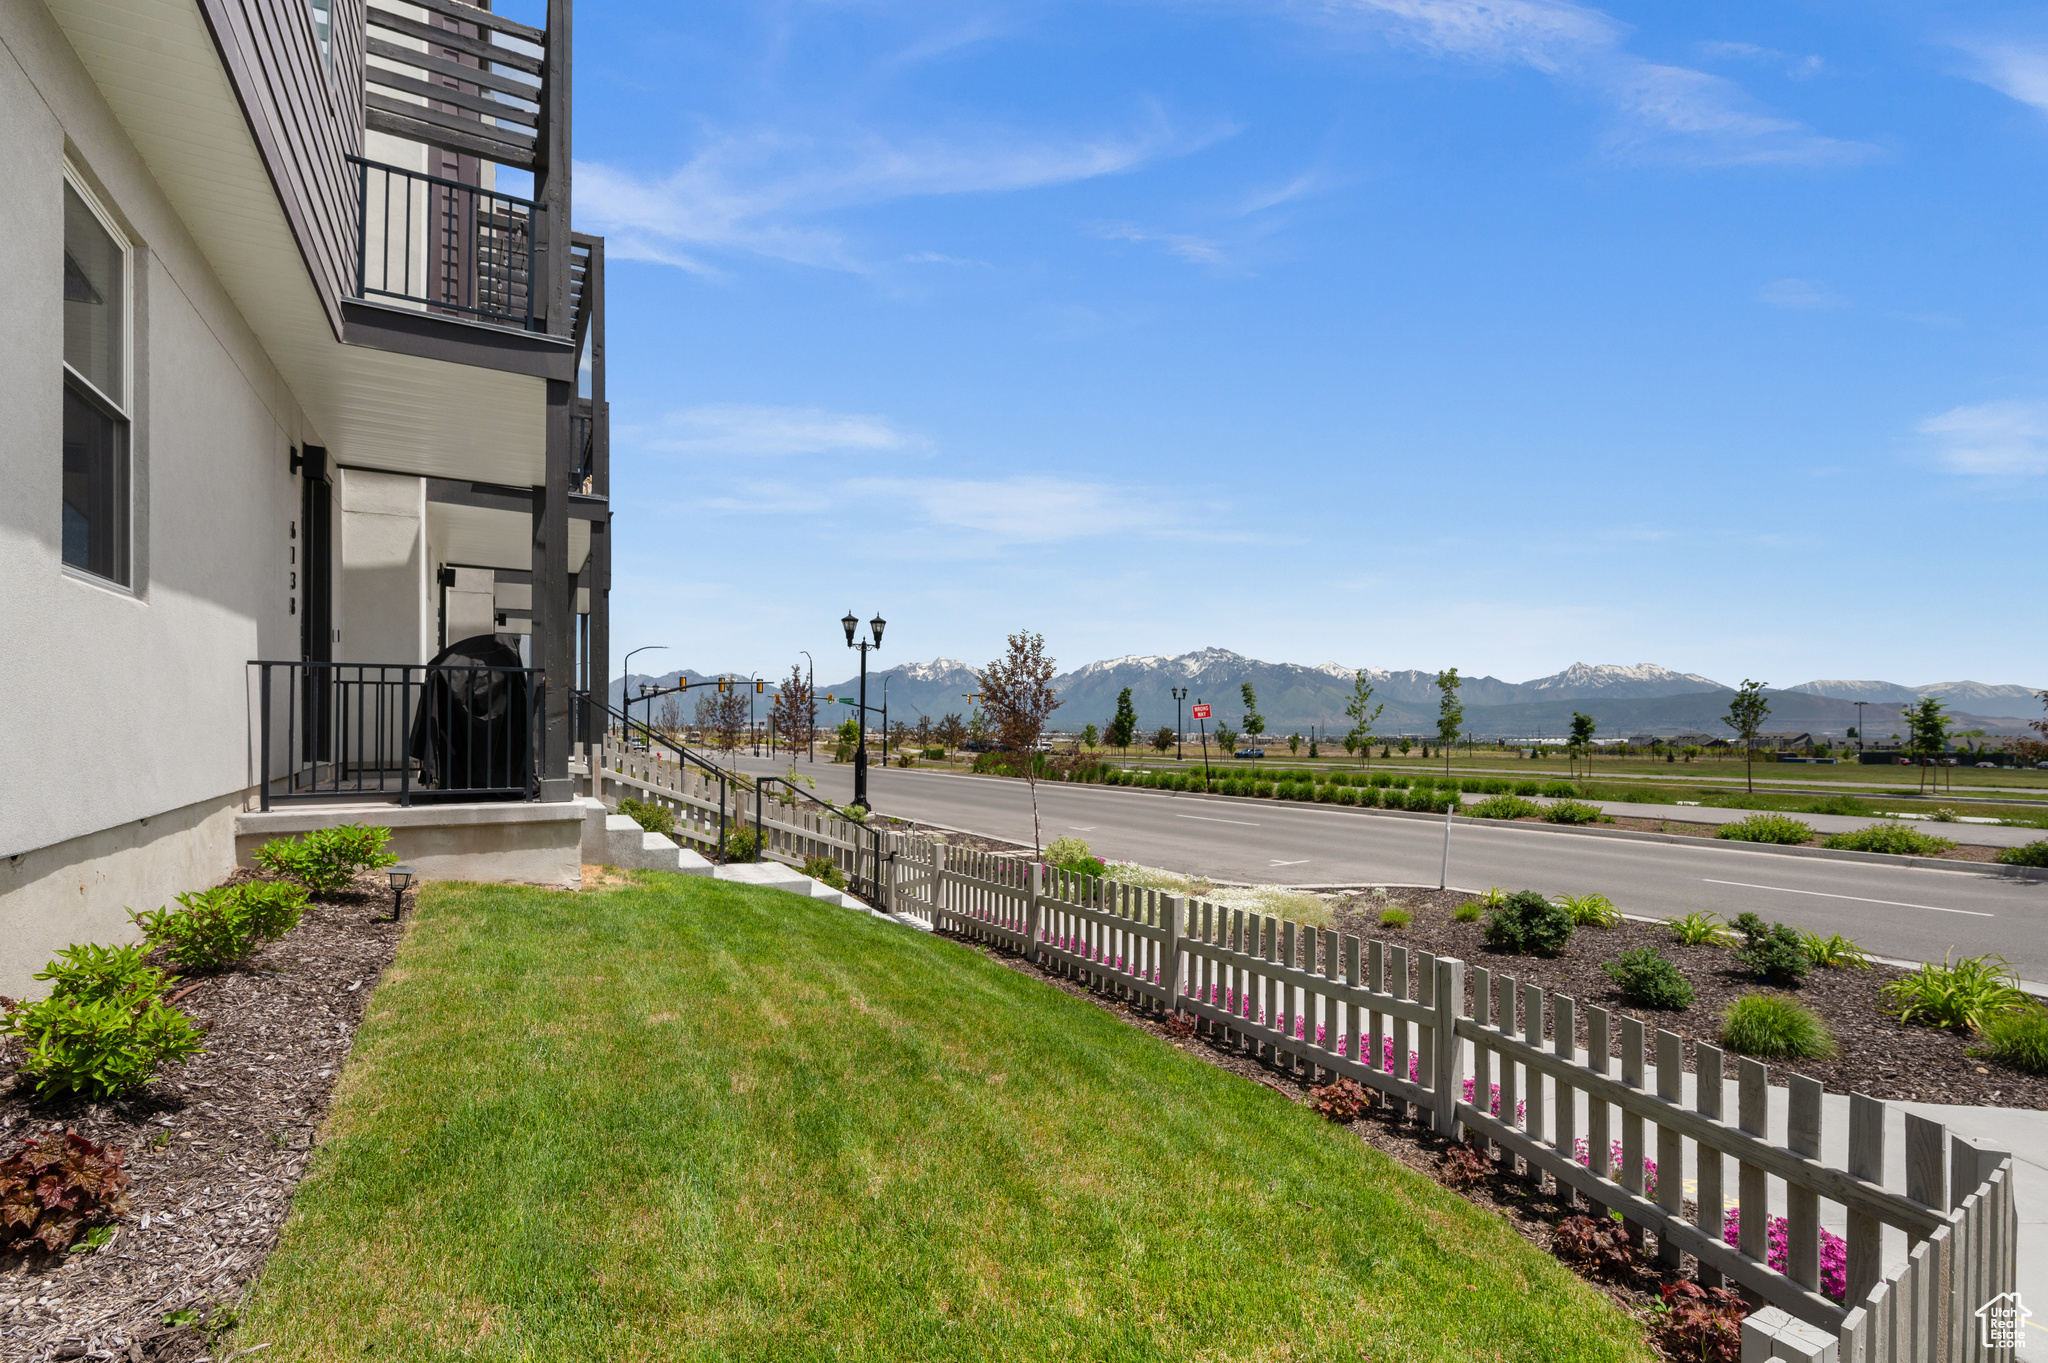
(1879, 1056)
(215, 1147)
(1533, 1208)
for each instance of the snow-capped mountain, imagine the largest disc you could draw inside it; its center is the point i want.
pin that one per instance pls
(2019, 702)
(1612, 679)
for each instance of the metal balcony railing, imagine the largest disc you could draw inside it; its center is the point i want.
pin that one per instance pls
(443, 245)
(402, 731)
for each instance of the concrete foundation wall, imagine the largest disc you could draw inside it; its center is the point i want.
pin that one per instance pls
(518, 844)
(81, 890)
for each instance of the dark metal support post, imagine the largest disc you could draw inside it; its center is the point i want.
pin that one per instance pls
(554, 619)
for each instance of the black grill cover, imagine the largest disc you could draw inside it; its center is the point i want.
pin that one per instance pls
(470, 731)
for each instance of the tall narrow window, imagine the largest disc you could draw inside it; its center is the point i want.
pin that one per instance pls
(95, 393)
(323, 29)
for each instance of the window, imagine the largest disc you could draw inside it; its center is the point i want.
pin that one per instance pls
(323, 30)
(95, 393)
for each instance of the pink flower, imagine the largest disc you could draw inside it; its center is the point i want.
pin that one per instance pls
(1583, 1153)
(1834, 1251)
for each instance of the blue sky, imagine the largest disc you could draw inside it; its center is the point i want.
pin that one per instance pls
(1397, 332)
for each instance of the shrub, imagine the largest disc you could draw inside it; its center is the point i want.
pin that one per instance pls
(103, 1028)
(327, 858)
(56, 1188)
(1526, 923)
(1504, 807)
(1773, 1027)
(933, 754)
(742, 844)
(1964, 995)
(1395, 918)
(1528, 788)
(1263, 790)
(1775, 828)
(1944, 814)
(826, 870)
(1423, 800)
(1648, 980)
(1060, 851)
(1397, 783)
(1700, 930)
(1559, 790)
(1840, 804)
(2033, 854)
(1347, 796)
(1345, 1100)
(1381, 780)
(1464, 1167)
(1591, 910)
(2018, 1039)
(1571, 812)
(1328, 794)
(1467, 912)
(1772, 953)
(853, 813)
(1595, 1246)
(1895, 838)
(1703, 1323)
(1473, 785)
(1834, 952)
(1178, 1025)
(216, 928)
(651, 817)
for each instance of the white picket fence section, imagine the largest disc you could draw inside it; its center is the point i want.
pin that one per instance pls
(1322, 1005)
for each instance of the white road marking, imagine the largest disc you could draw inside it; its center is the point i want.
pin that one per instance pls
(1081, 827)
(1198, 818)
(1302, 862)
(1822, 894)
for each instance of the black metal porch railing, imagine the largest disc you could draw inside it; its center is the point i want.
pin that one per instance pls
(404, 731)
(443, 244)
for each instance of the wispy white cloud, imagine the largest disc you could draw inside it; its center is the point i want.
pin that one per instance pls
(1027, 509)
(764, 193)
(1198, 250)
(1302, 185)
(741, 429)
(1799, 295)
(1991, 439)
(2019, 70)
(1664, 112)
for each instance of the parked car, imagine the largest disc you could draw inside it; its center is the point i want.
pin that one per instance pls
(1992, 765)
(1249, 752)
(977, 745)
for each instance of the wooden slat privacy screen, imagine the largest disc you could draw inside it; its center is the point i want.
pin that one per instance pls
(1323, 1004)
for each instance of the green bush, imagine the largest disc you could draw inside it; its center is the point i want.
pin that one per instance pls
(1398, 783)
(1467, 912)
(1648, 980)
(1775, 828)
(1327, 795)
(327, 858)
(1895, 838)
(651, 817)
(1699, 929)
(1347, 796)
(1381, 780)
(1840, 804)
(1834, 952)
(1473, 785)
(1771, 952)
(1591, 910)
(1263, 789)
(1773, 1027)
(2033, 854)
(1525, 923)
(215, 928)
(1494, 785)
(742, 844)
(1965, 995)
(825, 869)
(1395, 918)
(2018, 1039)
(1424, 782)
(1571, 812)
(104, 1026)
(1528, 788)
(1559, 790)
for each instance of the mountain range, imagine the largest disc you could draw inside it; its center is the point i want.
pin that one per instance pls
(1624, 700)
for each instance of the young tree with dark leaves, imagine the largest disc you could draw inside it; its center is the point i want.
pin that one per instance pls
(1583, 728)
(1123, 726)
(1746, 715)
(792, 711)
(1364, 715)
(951, 732)
(1254, 722)
(1017, 696)
(1162, 740)
(1450, 716)
(1926, 732)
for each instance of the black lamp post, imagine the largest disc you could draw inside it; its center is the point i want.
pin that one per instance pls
(860, 752)
(647, 690)
(1180, 693)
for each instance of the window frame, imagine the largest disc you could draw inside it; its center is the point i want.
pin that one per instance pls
(118, 406)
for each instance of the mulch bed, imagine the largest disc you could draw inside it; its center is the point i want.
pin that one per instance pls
(1879, 1056)
(215, 1147)
(1533, 1209)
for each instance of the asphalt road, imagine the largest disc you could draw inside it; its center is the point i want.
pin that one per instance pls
(1911, 914)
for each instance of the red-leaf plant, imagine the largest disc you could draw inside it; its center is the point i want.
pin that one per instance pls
(1464, 1166)
(1344, 1100)
(55, 1188)
(1598, 1246)
(1701, 1323)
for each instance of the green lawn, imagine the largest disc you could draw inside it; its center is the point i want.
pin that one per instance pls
(685, 1119)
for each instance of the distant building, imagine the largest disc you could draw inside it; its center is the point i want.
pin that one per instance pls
(1787, 742)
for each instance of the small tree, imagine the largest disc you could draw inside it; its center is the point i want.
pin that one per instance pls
(1746, 715)
(1123, 727)
(924, 731)
(1090, 736)
(2034, 749)
(1163, 739)
(1254, 722)
(1294, 743)
(1364, 714)
(951, 732)
(671, 717)
(847, 738)
(1016, 690)
(1926, 732)
(1450, 716)
(1226, 738)
(1583, 728)
(792, 712)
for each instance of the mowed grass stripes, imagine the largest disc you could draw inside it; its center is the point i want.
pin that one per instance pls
(691, 1120)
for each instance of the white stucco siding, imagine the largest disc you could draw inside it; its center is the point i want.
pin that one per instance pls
(122, 706)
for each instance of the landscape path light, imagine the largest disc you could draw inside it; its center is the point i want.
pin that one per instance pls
(401, 876)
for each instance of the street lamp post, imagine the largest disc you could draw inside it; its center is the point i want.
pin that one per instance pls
(885, 717)
(812, 688)
(860, 752)
(753, 731)
(1859, 723)
(625, 695)
(1180, 693)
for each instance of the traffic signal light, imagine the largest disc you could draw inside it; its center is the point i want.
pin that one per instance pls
(721, 685)
(760, 687)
